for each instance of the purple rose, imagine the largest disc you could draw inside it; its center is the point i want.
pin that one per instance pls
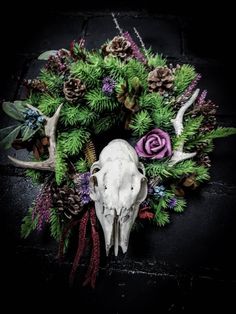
(155, 145)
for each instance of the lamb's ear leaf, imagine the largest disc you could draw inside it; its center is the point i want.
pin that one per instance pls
(47, 54)
(14, 109)
(28, 133)
(5, 131)
(9, 139)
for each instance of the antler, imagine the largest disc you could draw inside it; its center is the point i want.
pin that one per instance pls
(50, 132)
(178, 154)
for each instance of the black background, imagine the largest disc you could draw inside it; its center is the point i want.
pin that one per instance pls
(190, 264)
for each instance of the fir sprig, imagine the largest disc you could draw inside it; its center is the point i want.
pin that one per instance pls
(183, 76)
(29, 223)
(73, 141)
(99, 102)
(141, 123)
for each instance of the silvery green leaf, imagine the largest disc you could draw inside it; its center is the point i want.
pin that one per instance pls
(28, 133)
(7, 141)
(14, 110)
(47, 54)
(5, 131)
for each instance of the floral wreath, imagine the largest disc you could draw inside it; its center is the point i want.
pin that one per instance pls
(82, 97)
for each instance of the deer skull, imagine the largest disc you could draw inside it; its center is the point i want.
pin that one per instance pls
(117, 186)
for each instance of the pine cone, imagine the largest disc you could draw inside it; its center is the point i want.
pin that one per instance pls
(66, 200)
(36, 85)
(160, 80)
(73, 90)
(208, 110)
(204, 160)
(119, 47)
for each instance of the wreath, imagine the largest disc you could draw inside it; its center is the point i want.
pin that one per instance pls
(83, 99)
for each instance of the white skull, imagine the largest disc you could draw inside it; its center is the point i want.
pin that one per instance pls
(117, 186)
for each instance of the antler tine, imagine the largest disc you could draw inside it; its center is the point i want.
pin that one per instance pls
(178, 154)
(50, 132)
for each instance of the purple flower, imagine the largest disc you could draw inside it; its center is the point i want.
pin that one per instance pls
(172, 203)
(108, 85)
(155, 145)
(202, 97)
(42, 206)
(84, 188)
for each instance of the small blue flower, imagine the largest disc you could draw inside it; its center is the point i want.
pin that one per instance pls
(41, 119)
(159, 190)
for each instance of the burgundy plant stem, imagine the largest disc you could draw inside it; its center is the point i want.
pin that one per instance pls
(81, 245)
(65, 232)
(95, 255)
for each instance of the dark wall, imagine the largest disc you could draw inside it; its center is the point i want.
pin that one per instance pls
(186, 266)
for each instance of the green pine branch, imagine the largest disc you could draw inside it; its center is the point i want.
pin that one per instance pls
(135, 68)
(141, 123)
(35, 175)
(81, 166)
(183, 76)
(190, 129)
(60, 164)
(114, 67)
(160, 169)
(161, 217)
(55, 224)
(56, 228)
(164, 170)
(53, 82)
(71, 142)
(151, 101)
(99, 102)
(28, 224)
(72, 116)
(156, 60)
(207, 138)
(180, 205)
(162, 117)
(107, 122)
(49, 104)
(89, 74)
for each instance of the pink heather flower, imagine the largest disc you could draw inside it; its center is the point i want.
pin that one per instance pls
(135, 49)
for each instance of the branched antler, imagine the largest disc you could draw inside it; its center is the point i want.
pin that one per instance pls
(50, 132)
(178, 154)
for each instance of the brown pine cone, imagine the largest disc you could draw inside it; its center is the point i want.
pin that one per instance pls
(119, 47)
(66, 200)
(36, 85)
(160, 80)
(73, 90)
(204, 160)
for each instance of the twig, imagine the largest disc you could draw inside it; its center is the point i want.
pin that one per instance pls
(116, 23)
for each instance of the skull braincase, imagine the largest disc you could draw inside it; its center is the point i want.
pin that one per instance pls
(118, 187)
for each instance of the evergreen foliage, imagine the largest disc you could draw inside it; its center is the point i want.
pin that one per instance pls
(156, 60)
(183, 77)
(51, 80)
(48, 104)
(141, 123)
(99, 102)
(73, 141)
(81, 166)
(28, 224)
